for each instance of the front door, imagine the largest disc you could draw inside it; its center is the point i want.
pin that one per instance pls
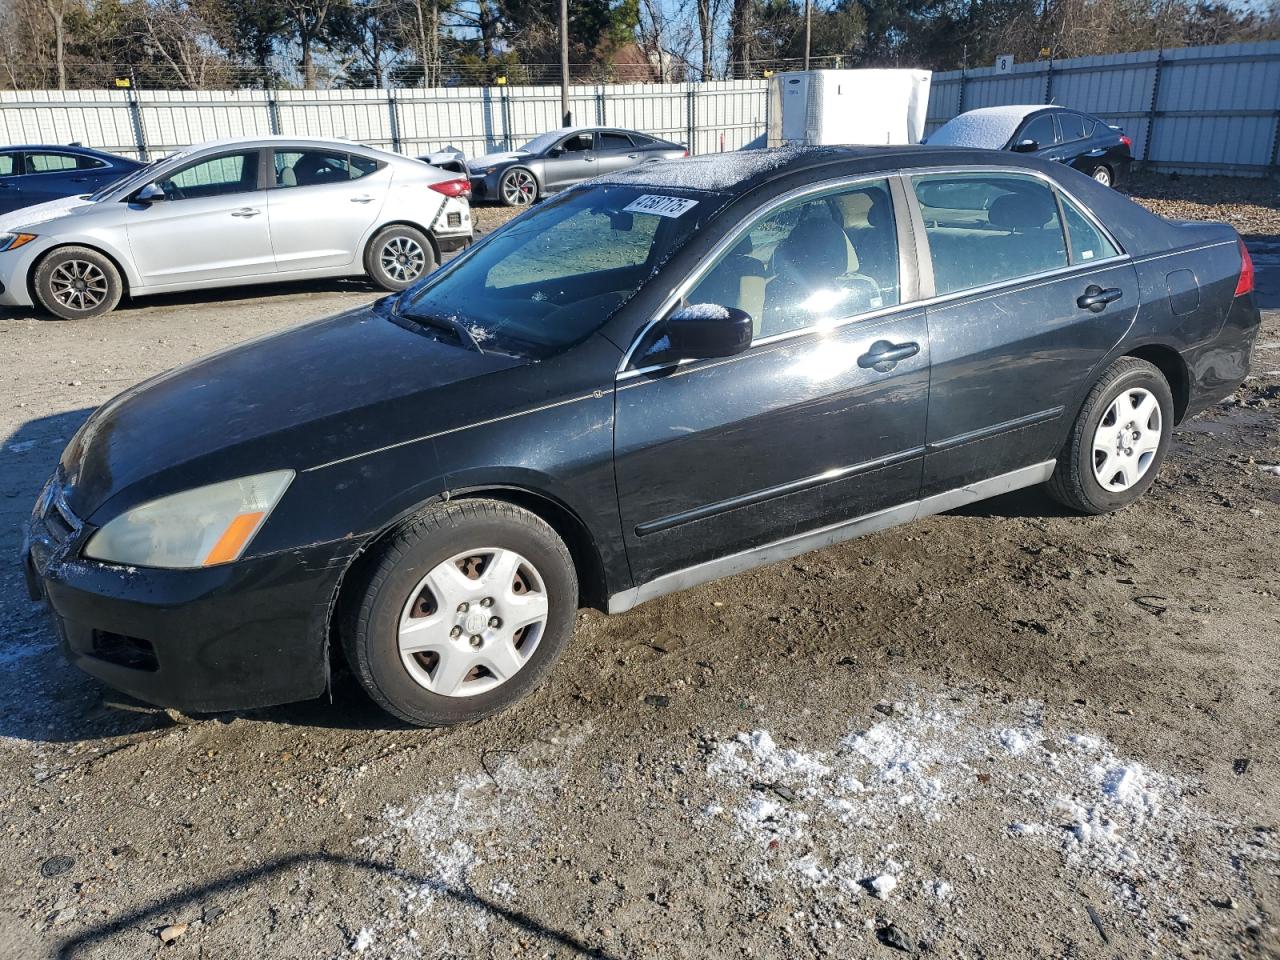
(1028, 311)
(576, 162)
(11, 197)
(322, 204)
(211, 225)
(807, 428)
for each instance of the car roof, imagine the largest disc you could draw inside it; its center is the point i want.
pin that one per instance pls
(62, 148)
(742, 170)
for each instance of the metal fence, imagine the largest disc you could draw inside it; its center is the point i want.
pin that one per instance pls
(1196, 110)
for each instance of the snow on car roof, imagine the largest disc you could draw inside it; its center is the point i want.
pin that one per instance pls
(711, 171)
(988, 127)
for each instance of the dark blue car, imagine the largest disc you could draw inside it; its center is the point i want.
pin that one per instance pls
(35, 174)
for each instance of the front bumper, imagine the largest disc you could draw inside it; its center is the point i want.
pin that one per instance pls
(237, 636)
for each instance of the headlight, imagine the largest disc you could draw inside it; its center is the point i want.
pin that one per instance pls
(196, 528)
(11, 241)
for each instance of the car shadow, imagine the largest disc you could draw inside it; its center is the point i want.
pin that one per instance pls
(159, 912)
(1029, 502)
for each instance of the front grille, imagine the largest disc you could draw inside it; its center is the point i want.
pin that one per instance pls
(59, 520)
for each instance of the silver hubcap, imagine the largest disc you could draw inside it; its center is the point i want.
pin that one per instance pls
(402, 258)
(1126, 441)
(518, 188)
(473, 622)
(78, 284)
(1102, 176)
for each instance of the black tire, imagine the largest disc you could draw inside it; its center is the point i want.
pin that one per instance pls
(370, 631)
(399, 256)
(1074, 482)
(1102, 173)
(524, 196)
(76, 283)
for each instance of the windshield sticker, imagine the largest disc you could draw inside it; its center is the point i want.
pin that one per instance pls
(660, 206)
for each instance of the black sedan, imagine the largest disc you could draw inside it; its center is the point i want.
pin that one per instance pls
(1092, 146)
(559, 159)
(670, 375)
(37, 174)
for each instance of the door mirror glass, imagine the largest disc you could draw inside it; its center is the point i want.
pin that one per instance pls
(151, 193)
(701, 331)
(555, 152)
(1026, 146)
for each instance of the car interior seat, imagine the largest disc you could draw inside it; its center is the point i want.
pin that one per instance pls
(1033, 241)
(287, 178)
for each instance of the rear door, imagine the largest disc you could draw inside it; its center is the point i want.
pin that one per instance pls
(576, 162)
(615, 151)
(1024, 313)
(806, 428)
(211, 225)
(321, 204)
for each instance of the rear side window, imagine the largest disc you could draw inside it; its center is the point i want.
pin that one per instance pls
(1040, 129)
(311, 168)
(1072, 126)
(614, 141)
(1087, 241)
(989, 228)
(50, 162)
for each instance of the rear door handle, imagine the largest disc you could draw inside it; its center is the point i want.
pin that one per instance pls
(365, 198)
(883, 356)
(1096, 298)
(245, 212)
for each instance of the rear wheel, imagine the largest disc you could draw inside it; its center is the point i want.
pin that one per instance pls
(518, 188)
(76, 283)
(467, 608)
(398, 256)
(1102, 173)
(1118, 441)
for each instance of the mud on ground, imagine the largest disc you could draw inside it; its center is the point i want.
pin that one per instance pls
(1006, 731)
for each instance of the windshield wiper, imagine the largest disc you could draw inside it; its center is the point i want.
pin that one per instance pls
(448, 324)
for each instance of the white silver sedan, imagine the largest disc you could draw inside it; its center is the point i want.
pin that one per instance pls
(232, 212)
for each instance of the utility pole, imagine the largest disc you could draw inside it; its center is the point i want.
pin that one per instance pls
(565, 118)
(808, 29)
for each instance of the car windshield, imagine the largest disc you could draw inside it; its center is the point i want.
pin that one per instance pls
(552, 276)
(139, 177)
(542, 141)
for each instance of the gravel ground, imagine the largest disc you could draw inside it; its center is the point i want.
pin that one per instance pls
(1007, 731)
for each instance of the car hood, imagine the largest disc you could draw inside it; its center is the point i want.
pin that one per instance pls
(479, 164)
(301, 398)
(44, 212)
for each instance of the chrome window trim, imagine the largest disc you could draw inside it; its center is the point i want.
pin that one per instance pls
(727, 241)
(622, 373)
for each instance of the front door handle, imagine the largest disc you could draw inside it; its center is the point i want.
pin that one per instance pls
(365, 198)
(245, 212)
(883, 356)
(633, 156)
(1096, 298)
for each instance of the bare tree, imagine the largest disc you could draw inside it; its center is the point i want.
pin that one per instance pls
(178, 36)
(58, 10)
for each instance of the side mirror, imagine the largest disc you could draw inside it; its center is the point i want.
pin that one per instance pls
(151, 193)
(555, 152)
(1026, 146)
(702, 331)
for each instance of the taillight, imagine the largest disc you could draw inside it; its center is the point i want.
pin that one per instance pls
(686, 153)
(1245, 283)
(1124, 138)
(460, 187)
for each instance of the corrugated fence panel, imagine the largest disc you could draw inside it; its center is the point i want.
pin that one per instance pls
(1218, 109)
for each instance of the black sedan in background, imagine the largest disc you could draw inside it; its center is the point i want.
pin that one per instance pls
(1092, 146)
(561, 158)
(36, 174)
(669, 375)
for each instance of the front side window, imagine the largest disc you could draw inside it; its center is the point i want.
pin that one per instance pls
(553, 275)
(7, 165)
(310, 168)
(988, 228)
(810, 263)
(1040, 129)
(231, 173)
(578, 143)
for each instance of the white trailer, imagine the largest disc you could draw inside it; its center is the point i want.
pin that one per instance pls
(814, 107)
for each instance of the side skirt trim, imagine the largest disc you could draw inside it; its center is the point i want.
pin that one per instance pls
(826, 536)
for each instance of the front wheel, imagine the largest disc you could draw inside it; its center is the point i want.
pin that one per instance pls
(465, 610)
(75, 283)
(398, 256)
(518, 188)
(1118, 441)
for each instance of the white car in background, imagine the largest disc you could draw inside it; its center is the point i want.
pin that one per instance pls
(232, 212)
